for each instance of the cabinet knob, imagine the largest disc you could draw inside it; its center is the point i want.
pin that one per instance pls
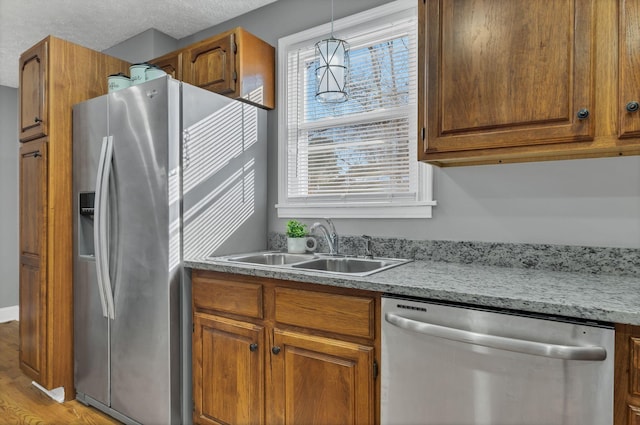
(36, 119)
(583, 114)
(275, 350)
(633, 106)
(253, 347)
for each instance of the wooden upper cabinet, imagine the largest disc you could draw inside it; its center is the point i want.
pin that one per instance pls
(210, 64)
(33, 101)
(171, 63)
(629, 62)
(508, 73)
(236, 64)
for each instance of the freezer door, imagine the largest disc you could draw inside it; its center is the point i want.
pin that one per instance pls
(144, 261)
(91, 327)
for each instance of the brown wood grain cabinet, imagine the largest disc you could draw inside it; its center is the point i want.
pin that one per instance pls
(171, 63)
(273, 352)
(33, 102)
(627, 375)
(512, 81)
(33, 243)
(235, 63)
(54, 75)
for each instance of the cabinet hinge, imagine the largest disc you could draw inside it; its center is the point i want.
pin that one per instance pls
(375, 369)
(423, 133)
(193, 402)
(235, 76)
(234, 45)
(193, 328)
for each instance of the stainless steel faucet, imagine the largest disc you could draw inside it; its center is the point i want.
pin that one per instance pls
(330, 235)
(367, 247)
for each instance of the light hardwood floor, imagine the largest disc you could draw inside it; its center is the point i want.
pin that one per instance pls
(22, 403)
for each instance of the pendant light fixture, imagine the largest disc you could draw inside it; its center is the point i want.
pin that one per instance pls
(332, 57)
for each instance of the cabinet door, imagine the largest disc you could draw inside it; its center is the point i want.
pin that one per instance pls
(506, 73)
(627, 375)
(319, 380)
(228, 371)
(33, 290)
(33, 83)
(171, 64)
(211, 65)
(629, 62)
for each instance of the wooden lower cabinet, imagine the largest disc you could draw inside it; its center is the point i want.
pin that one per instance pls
(251, 367)
(33, 267)
(320, 380)
(228, 378)
(627, 375)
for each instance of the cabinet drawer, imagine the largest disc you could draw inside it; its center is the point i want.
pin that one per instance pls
(227, 296)
(341, 314)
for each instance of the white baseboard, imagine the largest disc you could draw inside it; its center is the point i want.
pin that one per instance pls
(56, 394)
(7, 314)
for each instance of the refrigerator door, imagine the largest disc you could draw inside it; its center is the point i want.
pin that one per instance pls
(91, 327)
(144, 260)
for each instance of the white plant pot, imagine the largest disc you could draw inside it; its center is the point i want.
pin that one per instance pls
(301, 245)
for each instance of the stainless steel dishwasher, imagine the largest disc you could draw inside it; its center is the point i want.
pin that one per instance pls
(450, 365)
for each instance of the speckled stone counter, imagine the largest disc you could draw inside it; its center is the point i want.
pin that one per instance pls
(601, 297)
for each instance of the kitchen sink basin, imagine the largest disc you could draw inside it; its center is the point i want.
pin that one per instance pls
(272, 258)
(323, 263)
(347, 265)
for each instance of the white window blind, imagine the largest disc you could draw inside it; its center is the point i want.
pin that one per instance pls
(361, 152)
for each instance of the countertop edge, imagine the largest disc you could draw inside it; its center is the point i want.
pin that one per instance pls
(601, 298)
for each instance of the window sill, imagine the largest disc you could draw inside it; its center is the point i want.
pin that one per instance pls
(337, 210)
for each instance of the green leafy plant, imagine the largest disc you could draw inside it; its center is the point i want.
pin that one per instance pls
(295, 229)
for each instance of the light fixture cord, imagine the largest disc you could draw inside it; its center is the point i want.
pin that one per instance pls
(331, 18)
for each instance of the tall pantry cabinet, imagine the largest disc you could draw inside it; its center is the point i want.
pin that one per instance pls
(54, 75)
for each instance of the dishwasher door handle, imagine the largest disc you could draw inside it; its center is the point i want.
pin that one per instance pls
(564, 352)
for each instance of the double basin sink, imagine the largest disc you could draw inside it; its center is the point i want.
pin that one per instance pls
(353, 266)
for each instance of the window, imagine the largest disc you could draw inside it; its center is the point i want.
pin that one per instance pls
(357, 158)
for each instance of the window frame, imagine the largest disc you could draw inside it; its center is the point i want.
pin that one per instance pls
(421, 207)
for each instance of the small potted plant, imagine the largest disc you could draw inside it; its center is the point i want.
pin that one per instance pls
(296, 237)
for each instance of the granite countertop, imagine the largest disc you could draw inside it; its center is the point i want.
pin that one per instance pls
(598, 297)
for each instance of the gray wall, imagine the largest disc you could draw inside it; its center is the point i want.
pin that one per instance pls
(593, 202)
(143, 47)
(9, 148)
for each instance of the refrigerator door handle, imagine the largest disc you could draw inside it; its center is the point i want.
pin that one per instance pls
(104, 229)
(102, 205)
(96, 227)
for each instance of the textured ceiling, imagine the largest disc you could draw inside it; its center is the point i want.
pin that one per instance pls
(101, 24)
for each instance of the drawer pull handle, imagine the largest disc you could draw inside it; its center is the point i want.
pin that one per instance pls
(564, 352)
(633, 106)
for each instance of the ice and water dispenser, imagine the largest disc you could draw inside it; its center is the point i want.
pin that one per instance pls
(85, 224)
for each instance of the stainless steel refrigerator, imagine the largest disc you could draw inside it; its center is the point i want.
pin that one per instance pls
(162, 172)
